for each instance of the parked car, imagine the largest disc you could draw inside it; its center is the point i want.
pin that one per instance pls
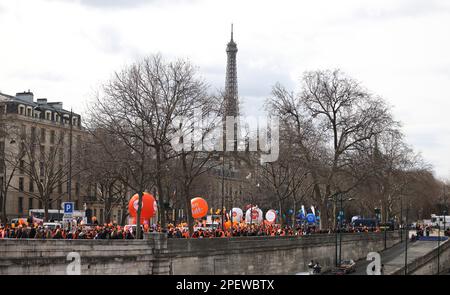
(347, 266)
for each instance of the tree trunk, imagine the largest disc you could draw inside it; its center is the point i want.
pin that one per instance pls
(45, 209)
(190, 220)
(124, 214)
(108, 208)
(295, 212)
(3, 200)
(138, 215)
(281, 212)
(159, 185)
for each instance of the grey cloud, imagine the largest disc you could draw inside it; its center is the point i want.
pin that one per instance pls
(122, 4)
(111, 40)
(251, 82)
(38, 75)
(405, 8)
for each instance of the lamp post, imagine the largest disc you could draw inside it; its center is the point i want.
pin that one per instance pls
(439, 245)
(401, 219)
(223, 188)
(406, 240)
(341, 199)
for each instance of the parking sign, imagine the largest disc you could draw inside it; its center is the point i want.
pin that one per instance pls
(68, 208)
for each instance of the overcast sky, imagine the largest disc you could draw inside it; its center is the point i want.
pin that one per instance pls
(399, 49)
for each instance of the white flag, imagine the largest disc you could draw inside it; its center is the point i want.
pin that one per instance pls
(313, 211)
(303, 210)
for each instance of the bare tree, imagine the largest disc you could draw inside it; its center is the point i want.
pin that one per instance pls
(45, 167)
(139, 106)
(104, 173)
(10, 159)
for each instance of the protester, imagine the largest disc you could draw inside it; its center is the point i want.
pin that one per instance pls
(114, 231)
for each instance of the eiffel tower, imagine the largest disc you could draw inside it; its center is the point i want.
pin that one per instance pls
(231, 86)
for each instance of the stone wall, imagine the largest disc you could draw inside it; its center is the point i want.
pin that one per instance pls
(269, 255)
(30, 256)
(157, 254)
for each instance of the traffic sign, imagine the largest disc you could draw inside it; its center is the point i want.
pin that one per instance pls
(68, 208)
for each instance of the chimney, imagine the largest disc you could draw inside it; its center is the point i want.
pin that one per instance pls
(56, 105)
(26, 95)
(42, 101)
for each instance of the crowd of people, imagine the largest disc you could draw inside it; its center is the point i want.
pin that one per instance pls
(36, 231)
(242, 229)
(27, 230)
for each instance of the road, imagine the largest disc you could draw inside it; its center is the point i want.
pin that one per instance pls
(394, 257)
(386, 256)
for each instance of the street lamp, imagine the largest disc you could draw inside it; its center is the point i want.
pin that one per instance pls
(406, 239)
(341, 199)
(439, 240)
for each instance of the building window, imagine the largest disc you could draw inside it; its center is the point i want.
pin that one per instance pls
(20, 204)
(59, 188)
(52, 136)
(59, 204)
(75, 205)
(23, 131)
(31, 186)
(33, 134)
(56, 117)
(42, 150)
(30, 203)
(41, 169)
(29, 112)
(40, 204)
(20, 184)
(21, 110)
(62, 136)
(48, 115)
(77, 189)
(43, 135)
(50, 204)
(21, 166)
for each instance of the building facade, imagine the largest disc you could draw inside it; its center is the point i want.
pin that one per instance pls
(40, 150)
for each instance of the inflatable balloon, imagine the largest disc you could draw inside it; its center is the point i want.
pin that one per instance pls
(256, 215)
(236, 214)
(271, 216)
(199, 207)
(148, 207)
(311, 218)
